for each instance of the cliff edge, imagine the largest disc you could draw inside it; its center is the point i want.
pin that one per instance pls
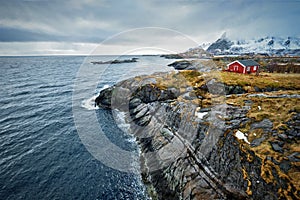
(213, 135)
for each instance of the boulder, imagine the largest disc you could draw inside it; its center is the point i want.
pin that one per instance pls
(215, 87)
(276, 147)
(104, 98)
(149, 93)
(181, 64)
(265, 124)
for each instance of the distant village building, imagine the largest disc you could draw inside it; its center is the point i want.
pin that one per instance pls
(243, 66)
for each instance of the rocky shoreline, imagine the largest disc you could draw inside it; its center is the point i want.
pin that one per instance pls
(190, 147)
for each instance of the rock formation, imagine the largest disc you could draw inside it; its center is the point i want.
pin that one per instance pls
(186, 130)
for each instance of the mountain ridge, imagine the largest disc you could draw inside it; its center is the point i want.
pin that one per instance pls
(264, 45)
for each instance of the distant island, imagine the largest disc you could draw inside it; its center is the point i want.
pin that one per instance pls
(115, 61)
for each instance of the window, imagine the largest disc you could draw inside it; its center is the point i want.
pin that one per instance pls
(254, 68)
(248, 69)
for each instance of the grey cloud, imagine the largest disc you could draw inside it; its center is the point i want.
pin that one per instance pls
(92, 21)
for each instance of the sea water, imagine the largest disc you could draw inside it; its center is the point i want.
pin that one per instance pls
(41, 153)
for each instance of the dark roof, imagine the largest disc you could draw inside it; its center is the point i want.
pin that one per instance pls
(248, 62)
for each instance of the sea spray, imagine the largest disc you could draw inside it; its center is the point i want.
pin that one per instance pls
(89, 103)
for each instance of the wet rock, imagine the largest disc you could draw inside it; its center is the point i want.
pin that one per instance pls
(146, 144)
(104, 98)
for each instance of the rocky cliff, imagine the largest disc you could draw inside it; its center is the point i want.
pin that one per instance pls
(199, 140)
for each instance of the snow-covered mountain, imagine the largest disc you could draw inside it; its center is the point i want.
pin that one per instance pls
(266, 45)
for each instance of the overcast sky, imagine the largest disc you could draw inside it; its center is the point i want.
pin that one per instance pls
(77, 27)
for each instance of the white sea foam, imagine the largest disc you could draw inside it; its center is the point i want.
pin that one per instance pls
(89, 103)
(120, 119)
(104, 87)
(131, 140)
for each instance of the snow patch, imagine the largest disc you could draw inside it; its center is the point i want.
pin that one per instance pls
(267, 45)
(200, 115)
(241, 136)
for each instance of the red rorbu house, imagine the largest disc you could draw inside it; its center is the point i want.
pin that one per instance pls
(243, 66)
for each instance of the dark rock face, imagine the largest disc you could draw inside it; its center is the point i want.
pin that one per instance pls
(265, 124)
(230, 89)
(221, 44)
(277, 147)
(180, 65)
(185, 156)
(104, 98)
(149, 93)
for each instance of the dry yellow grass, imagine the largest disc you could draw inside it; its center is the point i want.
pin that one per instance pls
(275, 80)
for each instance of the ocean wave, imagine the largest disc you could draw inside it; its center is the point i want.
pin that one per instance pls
(120, 119)
(89, 103)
